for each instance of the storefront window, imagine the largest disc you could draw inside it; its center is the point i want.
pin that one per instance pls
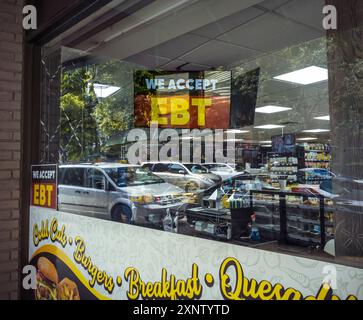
(242, 125)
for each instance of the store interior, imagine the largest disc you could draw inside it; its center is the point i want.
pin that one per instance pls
(288, 147)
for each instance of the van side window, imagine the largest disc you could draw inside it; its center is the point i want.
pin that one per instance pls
(74, 177)
(160, 167)
(61, 175)
(176, 168)
(95, 179)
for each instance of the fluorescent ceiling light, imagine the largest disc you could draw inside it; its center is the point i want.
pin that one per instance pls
(271, 109)
(270, 126)
(327, 118)
(305, 76)
(316, 130)
(234, 140)
(266, 145)
(266, 142)
(306, 139)
(104, 90)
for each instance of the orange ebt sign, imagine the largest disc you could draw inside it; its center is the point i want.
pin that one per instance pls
(44, 186)
(183, 100)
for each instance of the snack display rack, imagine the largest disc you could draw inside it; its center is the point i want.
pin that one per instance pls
(316, 156)
(286, 166)
(283, 166)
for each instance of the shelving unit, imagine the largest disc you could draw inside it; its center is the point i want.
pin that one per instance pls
(316, 156)
(283, 166)
(292, 222)
(277, 218)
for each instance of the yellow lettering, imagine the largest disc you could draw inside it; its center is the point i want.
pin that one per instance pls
(56, 235)
(179, 111)
(80, 249)
(166, 289)
(264, 290)
(291, 294)
(42, 197)
(201, 104)
(159, 107)
(39, 235)
(35, 235)
(49, 194)
(96, 274)
(36, 194)
(226, 289)
(132, 276)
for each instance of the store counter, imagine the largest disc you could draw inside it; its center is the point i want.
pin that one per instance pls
(277, 217)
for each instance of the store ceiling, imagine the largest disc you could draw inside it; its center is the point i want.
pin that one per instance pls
(250, 33)
(261, 29)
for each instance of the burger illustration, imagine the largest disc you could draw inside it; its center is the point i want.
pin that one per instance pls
(67, 290)
(47, 280)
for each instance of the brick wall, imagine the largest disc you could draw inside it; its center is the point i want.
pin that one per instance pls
(11, 42)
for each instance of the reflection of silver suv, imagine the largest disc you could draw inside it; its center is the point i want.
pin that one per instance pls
(114, 191)
(190, 177)
(224, 170)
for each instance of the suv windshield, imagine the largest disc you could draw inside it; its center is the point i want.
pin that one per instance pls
(196, 168)
(132, 176)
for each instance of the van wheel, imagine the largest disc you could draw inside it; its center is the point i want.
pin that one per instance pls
(121, 213)
(191, 186)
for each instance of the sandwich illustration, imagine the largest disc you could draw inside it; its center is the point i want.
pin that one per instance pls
(67, 290)
(47, 280)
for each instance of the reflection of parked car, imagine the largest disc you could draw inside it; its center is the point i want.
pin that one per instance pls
(346, 191)
(239, 185)
(242, 183)
(190, 177)
(223, 170)
(118, 192)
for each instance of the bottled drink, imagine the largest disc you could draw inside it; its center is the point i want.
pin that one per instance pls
(255, 233)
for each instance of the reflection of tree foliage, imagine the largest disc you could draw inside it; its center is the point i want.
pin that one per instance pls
(88, 122)
(115, 113)
(140, 76)
(78, 128)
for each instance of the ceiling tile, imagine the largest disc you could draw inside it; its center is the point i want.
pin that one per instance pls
(217, 28)
(147, 60)
(178, 46)
(217, 53)
(272, 4)
(307, 11)
(194, 67)
(172, 65)
(269, 32)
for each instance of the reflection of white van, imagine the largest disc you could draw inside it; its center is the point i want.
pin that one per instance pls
(124, 193)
